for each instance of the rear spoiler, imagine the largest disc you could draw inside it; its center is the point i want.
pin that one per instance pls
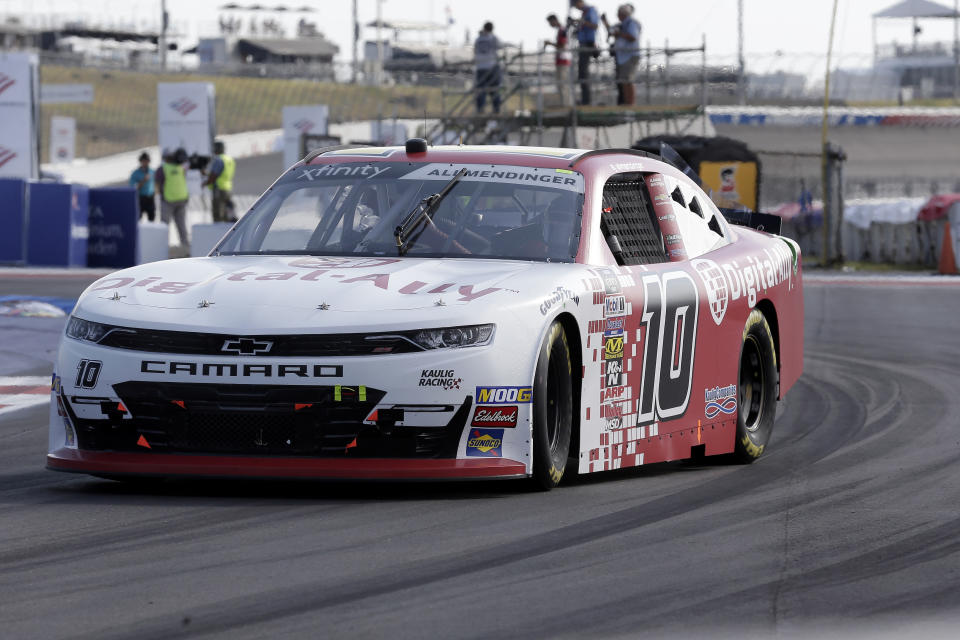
(760, 221)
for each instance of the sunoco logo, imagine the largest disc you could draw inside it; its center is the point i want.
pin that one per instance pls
(485, 443)
(716, 284)
(6, 82)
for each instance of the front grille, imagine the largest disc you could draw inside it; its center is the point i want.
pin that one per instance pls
(322, 421)
(316, 345)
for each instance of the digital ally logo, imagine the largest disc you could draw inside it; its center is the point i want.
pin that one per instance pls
(718, 293)
(6, 155)
(183, 106)
(485, 443)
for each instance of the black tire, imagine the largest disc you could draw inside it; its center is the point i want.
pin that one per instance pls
(552, 409)
(757, 384)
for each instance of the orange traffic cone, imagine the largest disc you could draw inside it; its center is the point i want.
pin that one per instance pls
(948, 260)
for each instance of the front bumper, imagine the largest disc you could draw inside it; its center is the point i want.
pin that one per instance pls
(172, 465)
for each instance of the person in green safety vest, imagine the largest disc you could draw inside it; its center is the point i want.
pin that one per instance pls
(171, 182)
(220, 180)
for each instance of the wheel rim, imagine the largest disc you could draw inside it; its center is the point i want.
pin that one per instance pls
(752, 384)
(554, 384)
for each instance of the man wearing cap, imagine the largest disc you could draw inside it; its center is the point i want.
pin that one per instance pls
(220, 180)
(174, 194)
(587, 40)
(142, 180)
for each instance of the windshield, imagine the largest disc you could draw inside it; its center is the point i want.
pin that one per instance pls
(492, 211)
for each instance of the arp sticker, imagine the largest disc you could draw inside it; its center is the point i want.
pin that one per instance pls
(485, 443)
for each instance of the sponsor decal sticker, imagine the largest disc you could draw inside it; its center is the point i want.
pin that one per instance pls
(368, 171)
(720, 400)
(614, 372)
(613, 348)
(614, 306)
(613, 326)
(559, 296)
(499, 173)
(504, 395)
(440, 378)
(716, 285)
(485, 443)
(495, 416)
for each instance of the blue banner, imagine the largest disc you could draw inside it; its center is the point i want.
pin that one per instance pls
(113, 227)
(13, 195)
(57, 228)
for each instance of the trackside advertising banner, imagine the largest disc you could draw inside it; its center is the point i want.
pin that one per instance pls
(63, 135)
(297, 121)
(185, 116)
(19, 115)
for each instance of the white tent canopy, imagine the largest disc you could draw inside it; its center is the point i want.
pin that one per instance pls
(916, 9)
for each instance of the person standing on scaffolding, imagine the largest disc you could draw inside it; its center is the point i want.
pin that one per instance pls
(486, 49)
(626, 53)
(587, 41)
(562, 60)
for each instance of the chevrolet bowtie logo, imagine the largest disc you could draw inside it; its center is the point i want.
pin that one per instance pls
(246, 346)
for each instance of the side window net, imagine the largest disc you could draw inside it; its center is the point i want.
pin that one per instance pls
(629, 225)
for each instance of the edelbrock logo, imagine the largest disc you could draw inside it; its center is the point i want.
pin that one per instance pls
(716, 284)
(495, 416)
(6, 82)
(6, 155)
(183, 106)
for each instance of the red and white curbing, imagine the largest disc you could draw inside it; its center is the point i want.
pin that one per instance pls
(19, 392)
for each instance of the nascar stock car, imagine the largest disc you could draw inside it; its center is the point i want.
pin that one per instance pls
(442, 312)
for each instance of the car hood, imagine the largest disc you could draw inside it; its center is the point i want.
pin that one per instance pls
(285, 292)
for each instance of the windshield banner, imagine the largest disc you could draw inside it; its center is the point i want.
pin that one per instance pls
(507, 174)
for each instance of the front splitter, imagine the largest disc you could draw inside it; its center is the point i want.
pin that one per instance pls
(153, 464)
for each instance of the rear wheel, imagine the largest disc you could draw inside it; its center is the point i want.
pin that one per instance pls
(552, 409)
(756, 389)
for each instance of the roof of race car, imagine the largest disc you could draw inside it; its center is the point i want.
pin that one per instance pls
(545, 157)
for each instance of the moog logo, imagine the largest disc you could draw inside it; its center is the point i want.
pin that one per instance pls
(504, 395)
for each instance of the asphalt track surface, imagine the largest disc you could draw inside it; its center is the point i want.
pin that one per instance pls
(847, 527)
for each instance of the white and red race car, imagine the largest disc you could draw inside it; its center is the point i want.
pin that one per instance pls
(442, 312)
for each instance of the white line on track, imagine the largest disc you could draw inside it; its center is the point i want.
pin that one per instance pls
(19, 392)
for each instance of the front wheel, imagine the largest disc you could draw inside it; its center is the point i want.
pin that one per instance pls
(756, 389)
(552, 409)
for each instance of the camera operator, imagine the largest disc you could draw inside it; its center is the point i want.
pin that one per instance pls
(171, 181)
(220, 180)
(587, 41)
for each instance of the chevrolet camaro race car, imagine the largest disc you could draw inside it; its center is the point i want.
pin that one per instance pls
(443, 312)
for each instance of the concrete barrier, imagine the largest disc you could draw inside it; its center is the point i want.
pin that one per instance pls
(152, 242)
(203, 237)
